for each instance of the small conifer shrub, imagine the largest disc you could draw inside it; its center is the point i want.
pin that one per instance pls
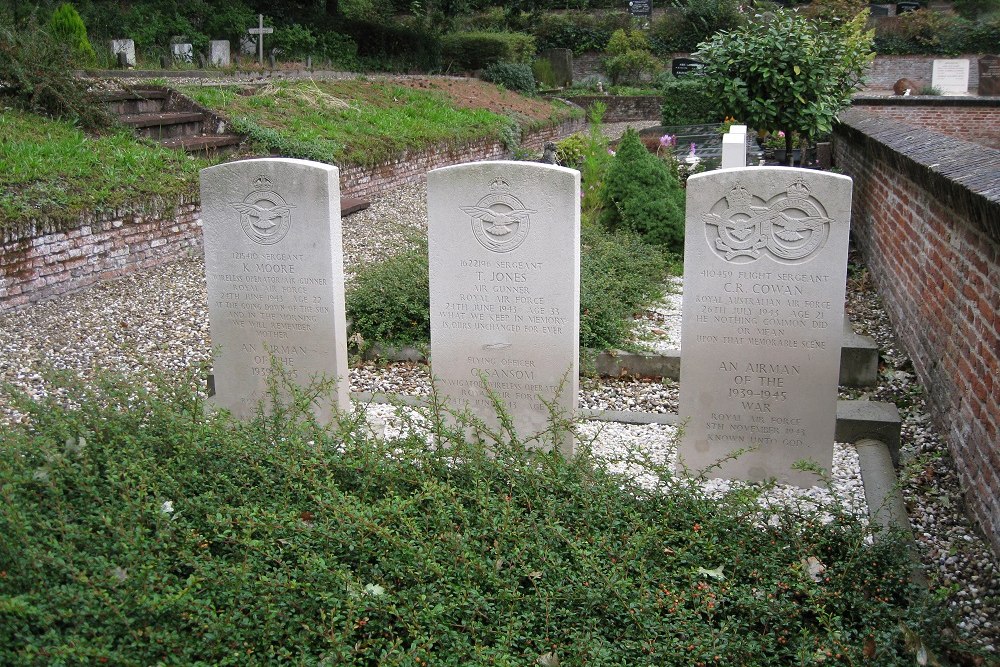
(640, 194)
(67, 28)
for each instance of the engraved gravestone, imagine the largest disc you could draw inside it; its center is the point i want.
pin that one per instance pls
(683, 66)
(951, 77)
(124, 50)
(182, 53)
(765, 257)
(989, 75)
(218, 53)
(504, 246)
(274, 265)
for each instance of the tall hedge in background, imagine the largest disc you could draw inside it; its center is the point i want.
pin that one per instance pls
(476, 50)
(688, 101)
(67, 27)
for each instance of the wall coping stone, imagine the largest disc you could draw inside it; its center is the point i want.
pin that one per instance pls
(863, 100)
(963, 175)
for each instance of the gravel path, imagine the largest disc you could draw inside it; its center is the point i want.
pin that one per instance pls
(158, 321)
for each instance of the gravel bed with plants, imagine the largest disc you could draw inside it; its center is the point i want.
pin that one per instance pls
(157, 321)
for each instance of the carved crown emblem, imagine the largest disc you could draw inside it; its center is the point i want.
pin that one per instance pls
(499, 185)
(262, 183)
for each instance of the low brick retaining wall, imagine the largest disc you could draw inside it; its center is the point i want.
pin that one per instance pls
(42, 262)
(887, 70)
(926, 216)
(975, 119)
(623, 108)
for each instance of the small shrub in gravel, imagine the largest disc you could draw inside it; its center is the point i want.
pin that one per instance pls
(389, 302)
(141, 528)
(641, 195)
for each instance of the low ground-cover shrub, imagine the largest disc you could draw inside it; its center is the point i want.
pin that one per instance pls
(518, 77)
(388, 304)
(140, 528)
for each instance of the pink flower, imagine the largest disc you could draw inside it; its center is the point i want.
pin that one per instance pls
(781, 134)
(610, 152)
(668, 140)
(694, 147)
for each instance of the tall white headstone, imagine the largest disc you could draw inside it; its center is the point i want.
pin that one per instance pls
(765, 268)
(274, 264)
(504, 244)
(951, 76)
(734, 150)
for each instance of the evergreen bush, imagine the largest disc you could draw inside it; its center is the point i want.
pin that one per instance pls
(687, 101)
(34, 77)
(67, 27)
(389, 302)
(640, 194)
(629, 59)
(477, 50)
(518, 77)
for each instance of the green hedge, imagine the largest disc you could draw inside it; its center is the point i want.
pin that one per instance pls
(477, 50)
(518, 77)
(686, 101)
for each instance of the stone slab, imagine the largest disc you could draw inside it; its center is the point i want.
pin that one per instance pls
(124, 48)
(989, 76)
(951, 76)
(857, 420)
(274, 266)
(219, 53)
(762, 325)
(504, 248)
(734, 150)
(182, 53)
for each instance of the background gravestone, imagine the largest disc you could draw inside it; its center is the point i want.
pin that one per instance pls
(765, 257)
(126, 48)
(951, 76)
(989, 75)
(182, 52)
(561, 61)
(504, 245)
(274, 266)
(682, 66)
(218, 53)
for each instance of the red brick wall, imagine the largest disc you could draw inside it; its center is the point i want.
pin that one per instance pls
(624, 108)
(969, 118)
(887, 70)
(926, 216)
(38, 265)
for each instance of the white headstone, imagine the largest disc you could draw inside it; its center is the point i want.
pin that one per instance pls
(951, 77)
(182, 53)
(734, 150)
(738, 129)
(125, 46)
(504, 244)
(218, 53)
(274, 264)
(765, 259)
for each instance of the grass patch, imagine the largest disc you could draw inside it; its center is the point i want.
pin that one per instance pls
(357, 122)
(52, 172)
(138, 529)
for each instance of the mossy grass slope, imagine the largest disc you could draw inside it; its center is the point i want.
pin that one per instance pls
(140, 528)
(51, 172)
(361, 122)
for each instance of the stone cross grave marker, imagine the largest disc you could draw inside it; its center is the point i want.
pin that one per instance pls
(504, 245)
(951, 77)
(260, 31)
(274, 265)
(218, 53)
(765, 257)
(124, 51)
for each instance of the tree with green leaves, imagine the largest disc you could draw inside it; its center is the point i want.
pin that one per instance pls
(67, 28)
(788, 72)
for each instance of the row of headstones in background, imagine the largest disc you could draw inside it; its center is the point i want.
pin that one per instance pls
(218, 52)
(879, 9)
(765, 258)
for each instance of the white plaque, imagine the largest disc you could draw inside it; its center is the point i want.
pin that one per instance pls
(951, 77)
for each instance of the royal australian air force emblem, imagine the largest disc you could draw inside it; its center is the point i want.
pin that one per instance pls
(264, 215)
(791, 225)
(499, 220)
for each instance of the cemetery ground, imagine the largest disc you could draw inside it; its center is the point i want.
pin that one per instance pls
(354, 550)
(154, 529)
